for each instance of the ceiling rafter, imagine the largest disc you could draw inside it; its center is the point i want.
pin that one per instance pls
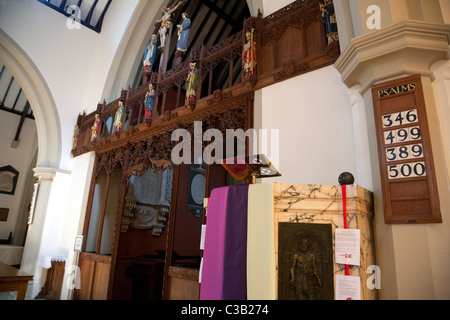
(19, 106)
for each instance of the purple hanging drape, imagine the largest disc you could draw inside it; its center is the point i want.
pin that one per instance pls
(224, 270)
(235, 258)
(213, 254)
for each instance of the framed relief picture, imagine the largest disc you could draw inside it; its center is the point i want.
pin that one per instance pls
(8, 180)
(4, 214)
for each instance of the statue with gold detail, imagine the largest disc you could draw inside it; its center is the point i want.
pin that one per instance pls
(118, 118)
(192, 83)
(150, 54)
(149, 103)
(76, 133)
(249, 55)
(166, 23)
(329, 19)
(183, 33)
(95, 130)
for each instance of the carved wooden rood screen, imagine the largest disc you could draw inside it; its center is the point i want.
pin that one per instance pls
(292, 41)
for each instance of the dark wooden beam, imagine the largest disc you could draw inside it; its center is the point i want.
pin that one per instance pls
(236, 26)
(102, 16)
(22, 120)
(219, 12)
(91, 12)
(202, 25)
(1, 72)
(18, 113)
(7, 91)
(17, 99)
(214, 26)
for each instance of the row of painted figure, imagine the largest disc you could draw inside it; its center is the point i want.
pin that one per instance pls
(191, 89)
(165, 24)
(249, 59)
(249, 62)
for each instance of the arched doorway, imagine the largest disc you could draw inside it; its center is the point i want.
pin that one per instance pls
(48, 130)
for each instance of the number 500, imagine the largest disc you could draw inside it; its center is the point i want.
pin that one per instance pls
(407, 170)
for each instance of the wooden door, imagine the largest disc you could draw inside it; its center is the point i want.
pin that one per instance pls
(95, 271)
(95, 261)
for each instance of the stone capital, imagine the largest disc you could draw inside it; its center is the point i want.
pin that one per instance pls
(46, 174)
(405, 48)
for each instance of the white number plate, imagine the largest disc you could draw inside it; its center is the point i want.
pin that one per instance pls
(402, 135)
(400, 118)
(407, 170)
(413, 151)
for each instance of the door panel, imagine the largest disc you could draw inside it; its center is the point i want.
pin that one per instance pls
(95, 271)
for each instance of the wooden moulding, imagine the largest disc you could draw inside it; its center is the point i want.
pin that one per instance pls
(281, 55)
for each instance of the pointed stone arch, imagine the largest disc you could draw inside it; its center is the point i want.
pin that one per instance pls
(38, 94)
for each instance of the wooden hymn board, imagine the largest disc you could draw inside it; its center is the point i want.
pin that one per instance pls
(408, 178)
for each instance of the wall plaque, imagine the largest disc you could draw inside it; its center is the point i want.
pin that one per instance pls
(305, 262)
(4, 214)
(410, 193)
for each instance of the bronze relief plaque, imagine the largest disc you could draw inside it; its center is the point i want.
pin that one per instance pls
(305, 262)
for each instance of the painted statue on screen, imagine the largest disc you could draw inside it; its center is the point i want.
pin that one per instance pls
(249, 55)
(150, 54)
(192, 83)
(166, 23)
(329, 19)
(118, 117)
(183, 33)
(76, 133)
(95, 130)
(149, 103)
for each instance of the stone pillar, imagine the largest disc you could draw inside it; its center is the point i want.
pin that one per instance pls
(34, 235)
(411, 257)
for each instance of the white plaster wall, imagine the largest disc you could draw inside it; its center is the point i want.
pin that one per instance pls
(20, 158)
(314, 117)
(66, 215)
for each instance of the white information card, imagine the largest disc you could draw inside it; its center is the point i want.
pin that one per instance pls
(348, 288)
(347, 246)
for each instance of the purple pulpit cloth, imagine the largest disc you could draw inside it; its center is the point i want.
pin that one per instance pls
(213, 253)
(235, 256)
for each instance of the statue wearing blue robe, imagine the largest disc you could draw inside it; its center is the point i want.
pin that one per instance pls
(149, 103)
(183, 33)
(150, 54)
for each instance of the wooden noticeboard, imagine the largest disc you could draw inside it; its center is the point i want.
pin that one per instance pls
(410, 193)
